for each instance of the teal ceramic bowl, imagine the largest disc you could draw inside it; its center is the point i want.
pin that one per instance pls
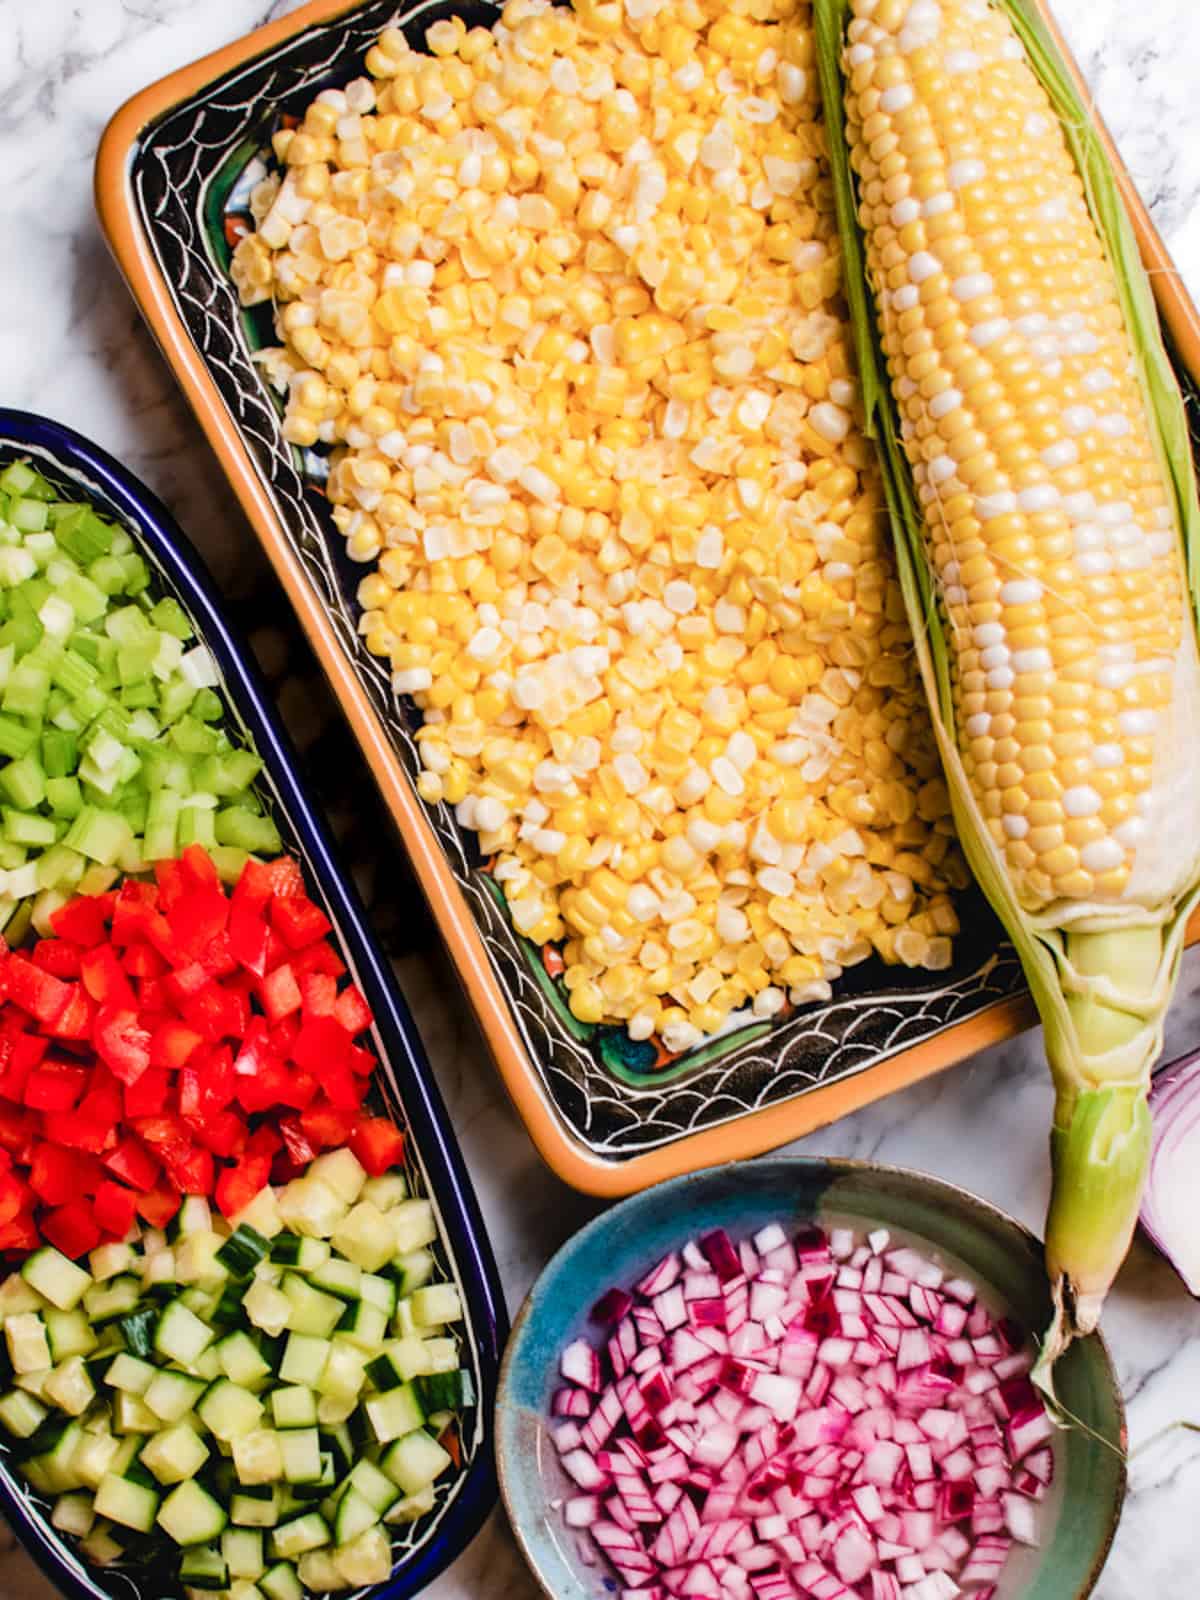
(959, 1230)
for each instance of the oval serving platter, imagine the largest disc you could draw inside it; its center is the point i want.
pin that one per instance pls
(173, 178)
(403, 1083)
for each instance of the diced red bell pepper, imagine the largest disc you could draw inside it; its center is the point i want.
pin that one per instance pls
(93, 1124)
(154, 1001)
(254, 1050)
(255, 886)
(57, 956)
(208, 1083)
(81, 920)
(321, 1046)
(298, 921)
(284, 1035)
(320, 957)
(296, 1143)
(75, 1020)
(326, 1125)
(172, 883)
(360, 1061)
(142, 960)
(197, 919)
(352, 1010)
(224, 1133)
(218, 959)
(198, 867)
(343, 1088)
(72, 1228)
(319, 995)
(132, 909)
(40, 993)
(55, 1086)
(249, 936)
(286, 876)
(12, 1199)
(25, 1053)
(148, 1096)
(279, 993)
(104, 977)
(122, 1041)
(187, 980)
(115, 1208)
(215, 1013)
(300, 1091)
(132, 1162)
(21, 1234)
(266, 1088)
(52, 1174)
(17, 1128)
(192, 1173)
(172, 1045)
(237, 1185)
(159, 1205)
(166, 1135)
(378, 1143)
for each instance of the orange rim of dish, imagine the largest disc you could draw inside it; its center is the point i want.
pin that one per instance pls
(748, 1135)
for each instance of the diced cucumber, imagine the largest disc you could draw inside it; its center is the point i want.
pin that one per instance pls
(294, 1407)
(95, 1455)
(241, 1360)
(172, 1395)
(261, 1214)
(132, 1415)
(74, 1513)
(446, 1391)
(415, 1461)
(414, 1270)
(281, 1583)
(342, 1171)
(101, 1547)
(249, 1511)
(345, 1370)
(229, 1411)
(159, 1269)
(364, 1326)
(130, 1374)
(137, 1330)
(354, 1516)
(301, 1534)
(311, 1208)
(367, 1236)
(180, 1336)
(412, 1506)
(311, 1312)
(16, 1296)
(28, 1347)
(203, 1567)
(258, 1456)
(340, 1278)
(304, 1359)
(69, 1387)
(243, 1552)
(318, 1571)
(267, 1307)
(375, 1487)
(306, 1255)
(104, 1301)
(56, 1277)
(300, 1449)
(380, 1291)
(196, 1259)
(385, 1191)
(441, 1355)
(190, 1515)
(69, 1333)
(175, 1454)
(130, 1504)
(395, 1413)
(335, 1408)
(435, 1305)
(365, 1561)
(413, 1224)
(21, 1414)
(243, 1250)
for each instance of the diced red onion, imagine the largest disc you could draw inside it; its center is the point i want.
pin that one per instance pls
(801, 1417)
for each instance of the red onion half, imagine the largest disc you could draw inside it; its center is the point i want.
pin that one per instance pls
(1171, 1203)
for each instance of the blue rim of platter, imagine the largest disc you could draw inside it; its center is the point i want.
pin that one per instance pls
(404, 1079)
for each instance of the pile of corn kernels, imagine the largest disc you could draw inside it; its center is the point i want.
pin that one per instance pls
(563, 296)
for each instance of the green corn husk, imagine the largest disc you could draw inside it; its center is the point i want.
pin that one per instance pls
(1102, 976)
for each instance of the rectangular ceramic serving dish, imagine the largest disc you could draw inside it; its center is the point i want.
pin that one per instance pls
(402, 1084)
(172, 182)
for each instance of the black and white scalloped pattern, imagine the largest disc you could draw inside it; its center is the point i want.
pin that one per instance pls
(173, 170)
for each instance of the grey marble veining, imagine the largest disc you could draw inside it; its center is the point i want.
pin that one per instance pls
(72, 346)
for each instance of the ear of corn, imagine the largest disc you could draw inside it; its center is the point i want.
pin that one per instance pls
(1070, 782)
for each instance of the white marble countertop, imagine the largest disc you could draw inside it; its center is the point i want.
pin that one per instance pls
(72, 347)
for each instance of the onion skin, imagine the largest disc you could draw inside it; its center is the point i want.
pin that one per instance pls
(1175, 1105)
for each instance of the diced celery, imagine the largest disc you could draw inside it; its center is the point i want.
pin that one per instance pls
(136, 695)
(237, 826)
(19, 478)
(197, 826)
(99, 835)
(208, 707)
(176, 697)
(83, 534)
(58, 867)
(27, 690)
(192, 737)
(162, 823)
(30, 516)
(73, 672)
(137, 574)
(60, 753)
(44, 907)
(107, 573)
(26, 827)
(24, 782)
(85, 598)
(229, 862)
(170, 616)
(64, 796)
